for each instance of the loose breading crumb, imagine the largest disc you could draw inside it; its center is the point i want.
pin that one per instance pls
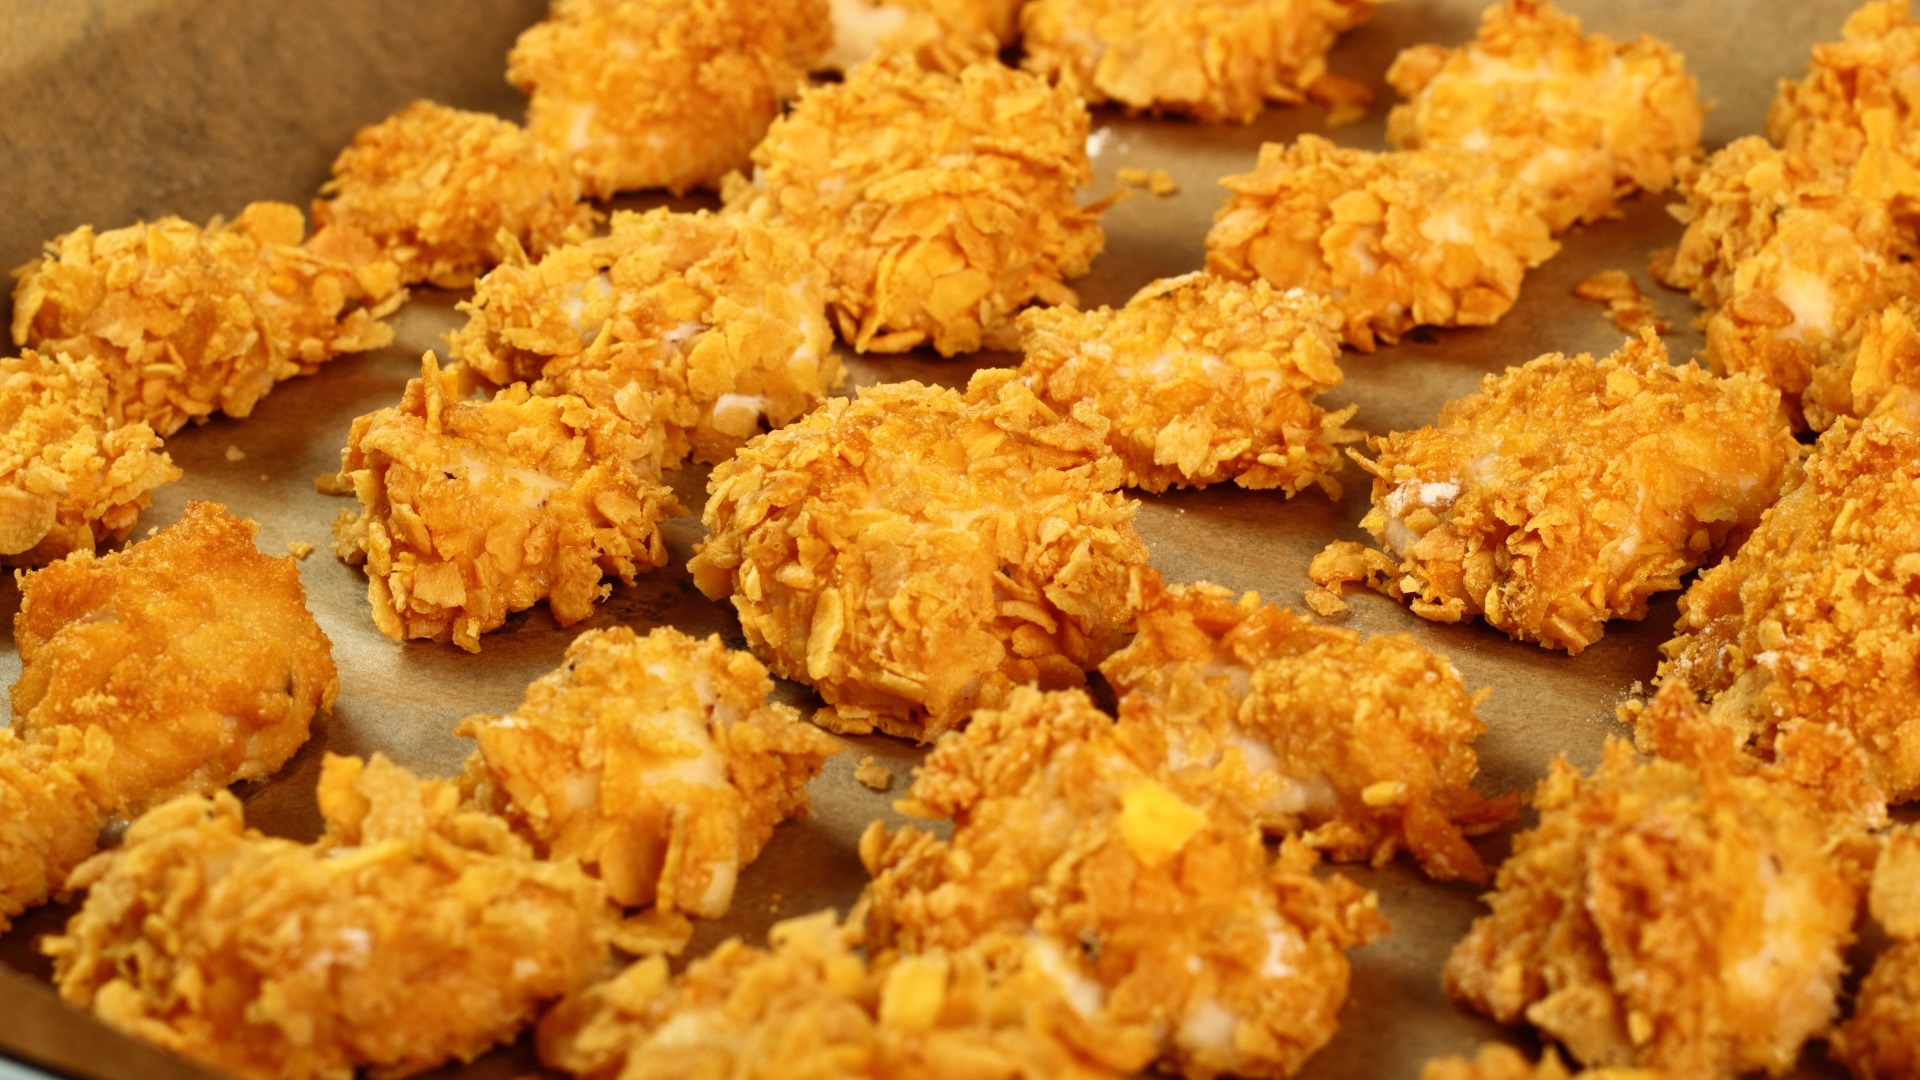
(873, 775)
(1627, 306)
(234, 453)
(1159, 181)
(299, 549)
(1881, 1039)
(940, 35)
(50, 815)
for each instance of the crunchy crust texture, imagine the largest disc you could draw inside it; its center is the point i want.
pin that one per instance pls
(940, 35)
(51, 790)
(1828, 114)
(1882, 1037)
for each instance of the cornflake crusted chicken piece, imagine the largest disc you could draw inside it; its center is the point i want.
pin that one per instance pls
(660, 93)
(413, 933)
(940, 35)
(1882, 1037)
(1364, 744)
(1566, 492)
(704, 328)
(437, 187)
(1202, 380)
(1826, 116)
(473, 509)
(1497, 1061)
(72, 476)
(913, 554)
(186, 321)
(939, 205)
(1169, 931)
(50, 818)
(655, 761)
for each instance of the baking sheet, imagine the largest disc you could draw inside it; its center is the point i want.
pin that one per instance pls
(205, 106)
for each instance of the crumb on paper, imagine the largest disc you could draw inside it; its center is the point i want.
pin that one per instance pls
(234, 453)
(1325, 602)
(1158, 181)
(873, 775)
(1626, 304)
(332, 484)
(264, 478)
(299, 549)
(1346, 100)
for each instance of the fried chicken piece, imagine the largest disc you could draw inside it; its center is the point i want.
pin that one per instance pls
(940, 35)
(72, 475)
(1568, 491)
(708, 329)
(1395, 240)
(660, 93)
(413, 933)
(50, 815)
(939, 205)
(1363, 745)
(913, 554)
(1578, 121)
(1826, 115)
(470, 510)
(657, 762)
(1498, 1061)
(1169, 930)
(1203, 380)
(1216, 61)
(437, 187)
(186, 321)
(1882, 1037)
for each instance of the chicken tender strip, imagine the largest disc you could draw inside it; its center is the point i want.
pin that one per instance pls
(1365, 746)
(706, 329)
(657, 762)
(411, 934)
(1882, 1037)
(437, 187)
(1497, 1061)
(1395, 240)
(73, 476)
(1826, 115)
(642, 94)
(1217, 61)
(1578, 121)
(939, 205)
(940, 35)
(471, 510)
(1203, 380)
(50, 814)
(1566, 492)
(185, 321)
(809, 1005)
(1169, 930)
(913, 554)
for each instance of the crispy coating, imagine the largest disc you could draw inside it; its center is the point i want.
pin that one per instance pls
(1169, 930)
(414, 932)
(939, 205)
(660, 93)
(1202, 380)
(1826, 115)
(1627, 307)
(1885, 379)
(1498, 1061)
(708, 329)
(50, 814)
(1579, 121)
(1363, 745)
(1882, 1037)
(72, 475)
(913, 554)
(186, 321)
(657, 762)
(437, 187)
(1395, 240)
(1215, 61)
(1568, 491)
(940, 35)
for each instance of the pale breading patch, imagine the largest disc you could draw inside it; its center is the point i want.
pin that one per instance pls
(940, 35)
(1627, 306)
(1882, 1037)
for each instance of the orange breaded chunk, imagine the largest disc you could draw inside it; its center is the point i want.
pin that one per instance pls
(1215, 61)
(660, 93)
(914, 553)
(470, 510)
(413, 933)
(1882, 1037)
(437, 187)
(1568, 491)
(186, 321)
(1828, 114)
(50, 816)
(1366, 746)
(939, 205)
(1497, 1061)
(707, 329)
(1395, 240)
(1202, 380)
(657, 762)
(1885, 380)
(72, 474)
(1168, 929)
(1578, 121)
(940, 35)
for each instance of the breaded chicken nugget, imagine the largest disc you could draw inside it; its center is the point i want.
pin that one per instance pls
(1364, 745)
(1882, 1037)
(1203, 380)
(471, 510)
(1577, 120)
(1826, 115)
(662, 93)
(656, 761)
(914, 554)
(1215, 61)
(50, 815)
(1395, 240)
(72, 474)
(185, 321)
(940, 35)
(1568, 491)
(939, 205)
(436, 187)
(708, 329)
(413, 933)
(1498, 1061)
(1170, 931)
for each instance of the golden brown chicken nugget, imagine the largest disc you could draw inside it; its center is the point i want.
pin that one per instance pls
(1852, 85)
(1882, 1037)
(1497, 1061)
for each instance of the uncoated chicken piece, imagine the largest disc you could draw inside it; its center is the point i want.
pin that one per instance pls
(940, 35)
(1882, 1037)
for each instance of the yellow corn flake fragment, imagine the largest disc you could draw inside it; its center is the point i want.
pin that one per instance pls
(1156, 823)
(1627, 306)
(299, 549)
(873, 775)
